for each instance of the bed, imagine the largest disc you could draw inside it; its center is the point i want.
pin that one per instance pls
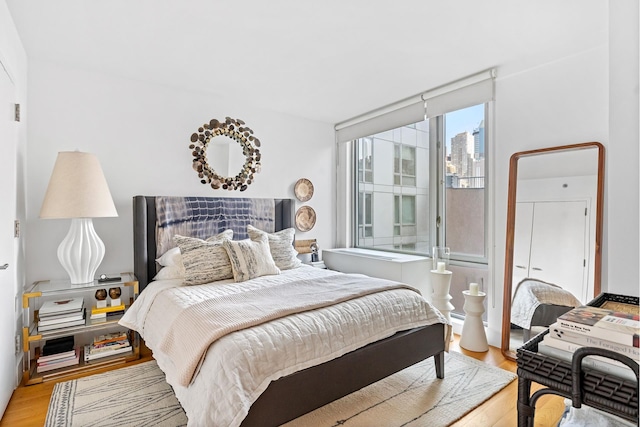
(538, 303)
(326, 361)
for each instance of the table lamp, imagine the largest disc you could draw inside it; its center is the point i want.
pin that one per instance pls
(78, 190)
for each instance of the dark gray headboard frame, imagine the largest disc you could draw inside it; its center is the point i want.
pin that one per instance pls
(144, 233)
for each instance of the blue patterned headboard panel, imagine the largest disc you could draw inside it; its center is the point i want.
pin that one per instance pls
(157, 218)
(203, 217)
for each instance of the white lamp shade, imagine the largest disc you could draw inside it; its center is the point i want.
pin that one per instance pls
(77, 189)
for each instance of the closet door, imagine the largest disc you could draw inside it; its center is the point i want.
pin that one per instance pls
(8, 138)
(558, 245)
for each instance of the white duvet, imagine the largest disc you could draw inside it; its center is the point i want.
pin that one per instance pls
(238, 367)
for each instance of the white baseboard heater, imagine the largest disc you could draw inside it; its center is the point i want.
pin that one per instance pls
(410, 269)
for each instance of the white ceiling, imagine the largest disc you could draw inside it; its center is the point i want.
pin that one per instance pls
(327, 60)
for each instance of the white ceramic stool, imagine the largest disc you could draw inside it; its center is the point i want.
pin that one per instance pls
(440, 283)
(473, 336)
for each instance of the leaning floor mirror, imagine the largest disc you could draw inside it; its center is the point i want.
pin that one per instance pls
(554, 231)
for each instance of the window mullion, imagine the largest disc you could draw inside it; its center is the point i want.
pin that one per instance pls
(436, 187)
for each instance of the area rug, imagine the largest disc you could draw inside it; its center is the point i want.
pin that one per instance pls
(138, 395)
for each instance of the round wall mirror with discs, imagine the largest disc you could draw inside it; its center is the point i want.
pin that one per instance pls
(230, 129)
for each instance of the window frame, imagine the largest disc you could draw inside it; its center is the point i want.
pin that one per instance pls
(440, 208)
(437, 192)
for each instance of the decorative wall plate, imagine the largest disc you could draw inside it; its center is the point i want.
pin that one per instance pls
(305, 218)
(303, 189)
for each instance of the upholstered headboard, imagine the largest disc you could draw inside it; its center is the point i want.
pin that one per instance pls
(155, 216)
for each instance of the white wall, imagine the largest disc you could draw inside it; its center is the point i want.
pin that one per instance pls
(140, 132)
(560, 103)
(622, 195)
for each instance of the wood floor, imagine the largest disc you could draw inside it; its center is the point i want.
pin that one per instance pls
(28, 405)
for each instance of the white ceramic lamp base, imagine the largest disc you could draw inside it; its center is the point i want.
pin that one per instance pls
(81, 251)
(473, 336)
(440, 283)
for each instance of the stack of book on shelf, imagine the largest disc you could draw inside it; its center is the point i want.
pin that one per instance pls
(102, 314)
(107, 345)
(61, 314)
(615, 326)
(58, 353)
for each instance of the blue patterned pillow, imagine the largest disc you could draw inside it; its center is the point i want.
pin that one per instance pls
(280, 246)
(250, 258)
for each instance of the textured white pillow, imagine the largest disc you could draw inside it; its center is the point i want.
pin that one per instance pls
(205, 260)
(280, 246)
(174, 257)
(250, 258)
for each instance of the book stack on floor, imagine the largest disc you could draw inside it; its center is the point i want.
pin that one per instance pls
(104, 313)
(614, 326)
(61, 314)
(58, 353)
(107, 345)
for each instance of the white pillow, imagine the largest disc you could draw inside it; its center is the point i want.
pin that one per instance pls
(250, 258)
(170, 272)
(172, 257)
(280, 246)
(205, 261)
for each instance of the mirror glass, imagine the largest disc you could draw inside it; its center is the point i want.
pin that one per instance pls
(225, 156)
(554, 224)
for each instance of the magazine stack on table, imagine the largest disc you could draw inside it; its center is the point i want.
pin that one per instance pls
(107, 345)
(61, 314)
(58, 353)
(614, 326)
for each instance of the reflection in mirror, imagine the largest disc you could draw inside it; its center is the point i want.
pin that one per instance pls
(554, 223)
(225, 156)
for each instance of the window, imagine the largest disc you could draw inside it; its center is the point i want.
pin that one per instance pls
(422, 192)
(465, 196)
(404, 165)
(423, 161)
(365, 155)
(404, 215)
(365, 215)
(393, 204)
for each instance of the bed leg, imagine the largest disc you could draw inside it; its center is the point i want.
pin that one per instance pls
(439, 359)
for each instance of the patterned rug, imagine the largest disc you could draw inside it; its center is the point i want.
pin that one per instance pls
(139, 396)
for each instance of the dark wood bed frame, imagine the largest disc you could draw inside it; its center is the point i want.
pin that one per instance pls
(294, 395)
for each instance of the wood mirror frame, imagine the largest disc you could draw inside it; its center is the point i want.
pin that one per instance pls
(510, 238)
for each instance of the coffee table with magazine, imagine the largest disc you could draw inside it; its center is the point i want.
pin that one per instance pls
(570, 379)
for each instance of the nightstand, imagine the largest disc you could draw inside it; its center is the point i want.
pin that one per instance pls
(43, 293)
(316, 264)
